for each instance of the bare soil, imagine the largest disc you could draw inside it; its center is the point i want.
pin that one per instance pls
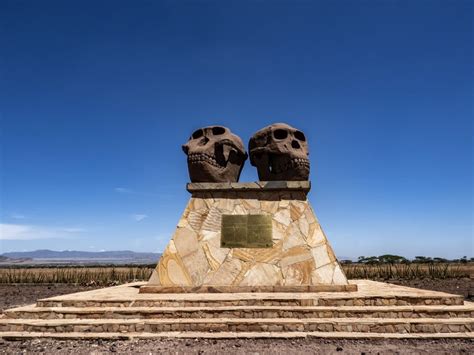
(17, 295)
(240, 346)
(25, 294)
(462, 286)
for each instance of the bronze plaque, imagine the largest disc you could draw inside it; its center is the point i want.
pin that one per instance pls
(246, 231)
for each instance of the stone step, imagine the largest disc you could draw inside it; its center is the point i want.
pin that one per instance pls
(254, 299)
(363, 325)
(369, 293)
(233, 335)
(32, 312)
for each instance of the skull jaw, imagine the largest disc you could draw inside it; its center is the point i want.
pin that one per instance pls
(298, 174)
(282, 168)
(205, 172)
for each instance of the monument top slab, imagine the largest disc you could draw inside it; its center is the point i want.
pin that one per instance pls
(302, 186)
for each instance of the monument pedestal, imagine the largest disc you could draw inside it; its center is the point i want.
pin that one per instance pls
(248, 237)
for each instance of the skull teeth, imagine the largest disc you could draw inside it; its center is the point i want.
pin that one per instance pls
(198, 158)
(290, 164)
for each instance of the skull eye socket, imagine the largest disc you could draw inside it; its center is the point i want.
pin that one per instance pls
(218, 130)
(280, 134)
(197, 134)
(300, 136)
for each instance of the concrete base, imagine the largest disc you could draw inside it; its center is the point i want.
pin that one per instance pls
(375, 310)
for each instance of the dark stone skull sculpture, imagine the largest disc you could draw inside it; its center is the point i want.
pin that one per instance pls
(215, 154)
(280, 152)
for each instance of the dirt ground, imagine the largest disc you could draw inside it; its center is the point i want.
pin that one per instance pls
(13, 295)
(240, 346)
(463, 286)
(21, 295)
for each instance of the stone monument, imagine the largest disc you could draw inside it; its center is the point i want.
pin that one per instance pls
(248, 237)
(237, 238)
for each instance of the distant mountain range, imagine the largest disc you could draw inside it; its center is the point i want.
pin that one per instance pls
(68, 256)
(47, 256)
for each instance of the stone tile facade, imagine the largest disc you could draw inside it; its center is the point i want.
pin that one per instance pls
(300, 255)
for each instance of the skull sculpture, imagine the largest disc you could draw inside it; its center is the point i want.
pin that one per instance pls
(215, 154)
(280, 152)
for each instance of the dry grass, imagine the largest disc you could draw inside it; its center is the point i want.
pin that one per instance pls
(100, 276)
(106, 276)
(410, 271)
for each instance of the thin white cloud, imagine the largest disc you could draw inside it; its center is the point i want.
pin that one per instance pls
(72, 230)
(14, 231)
(123, 190)
(139, 217)
(17, 216)
(30, 232)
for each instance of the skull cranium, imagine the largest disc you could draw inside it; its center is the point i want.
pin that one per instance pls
(215, 154)
(280, 152)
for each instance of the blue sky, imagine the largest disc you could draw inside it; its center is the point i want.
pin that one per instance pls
(98, 96)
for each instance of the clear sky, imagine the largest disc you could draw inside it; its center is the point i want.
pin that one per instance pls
(98, 96)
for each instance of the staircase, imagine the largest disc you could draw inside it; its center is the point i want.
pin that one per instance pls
(376, 310)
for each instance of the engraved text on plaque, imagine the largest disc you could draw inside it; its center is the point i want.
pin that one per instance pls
(246, 231)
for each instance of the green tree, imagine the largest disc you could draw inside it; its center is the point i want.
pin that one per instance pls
(392, 259)
(423, 259)
(368, 260)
